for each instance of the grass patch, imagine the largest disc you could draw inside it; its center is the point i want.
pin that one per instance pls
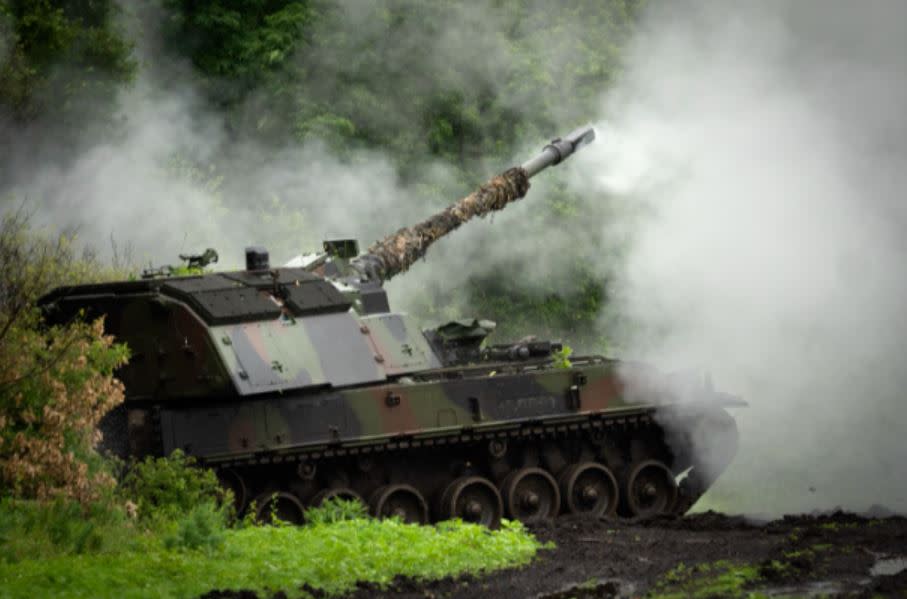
(837, 526)
(168, 531)
(35, 530)
(808, 552)
(330, 555)
(717, 579)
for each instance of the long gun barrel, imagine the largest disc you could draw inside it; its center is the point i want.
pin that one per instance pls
(559, 150)
(396, 253)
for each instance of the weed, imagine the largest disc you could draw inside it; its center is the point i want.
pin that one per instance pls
(335, 510)
(204, 527)
(718, 579)
(776, 570)
(809, 552)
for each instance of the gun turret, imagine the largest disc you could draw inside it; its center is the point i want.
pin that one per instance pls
(396, 253)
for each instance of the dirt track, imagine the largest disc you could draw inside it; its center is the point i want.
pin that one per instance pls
(704, 555)
(801, 555)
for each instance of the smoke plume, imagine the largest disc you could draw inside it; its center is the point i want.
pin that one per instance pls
(761, 151)
(178, 177)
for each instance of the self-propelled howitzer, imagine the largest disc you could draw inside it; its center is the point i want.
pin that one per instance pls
(298, 384)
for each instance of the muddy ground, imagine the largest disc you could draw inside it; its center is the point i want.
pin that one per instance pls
(704, 555)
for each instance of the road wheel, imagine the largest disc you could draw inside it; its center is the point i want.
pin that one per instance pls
(649, 489)
(344, 493)
(589, 489)
(531, 495)
(280, 506)
(231, 480)
(472, 499)
(401, 501)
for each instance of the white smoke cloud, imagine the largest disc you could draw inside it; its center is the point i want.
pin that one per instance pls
(154, 187)
(763, 156)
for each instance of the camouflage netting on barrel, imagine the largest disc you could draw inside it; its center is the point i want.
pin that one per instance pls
(397, 252)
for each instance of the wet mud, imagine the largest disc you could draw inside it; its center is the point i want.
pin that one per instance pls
(706, 555)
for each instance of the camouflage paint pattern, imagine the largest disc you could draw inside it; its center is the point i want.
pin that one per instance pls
(484, 401)
(327, 349)
(395, 253)
(293, 383)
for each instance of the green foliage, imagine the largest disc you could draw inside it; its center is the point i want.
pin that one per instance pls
(335, 510)
(56, 383)
(168, 488)
(717, 579)
(562, 358)
(328, 556)
(185, 271)
(31, 530)
(204, 527)
(412, 78)
(242, 40)
(64, 62)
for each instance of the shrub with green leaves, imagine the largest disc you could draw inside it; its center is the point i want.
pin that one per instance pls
(171, 487)
(204, 527)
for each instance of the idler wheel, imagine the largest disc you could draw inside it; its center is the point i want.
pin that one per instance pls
(401, 501)
(531, 495)
(231, 480)
(589, 489)
(281, 505)
(344, 493)
(472, 499)
(650, 489)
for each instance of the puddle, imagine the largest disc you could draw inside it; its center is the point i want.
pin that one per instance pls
(888, 566)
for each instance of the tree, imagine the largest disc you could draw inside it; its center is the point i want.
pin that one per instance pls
(61, 60)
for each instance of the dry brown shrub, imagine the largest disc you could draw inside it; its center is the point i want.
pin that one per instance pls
(56, 383)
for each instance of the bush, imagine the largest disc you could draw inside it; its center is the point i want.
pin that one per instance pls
(204, 527)
(172, 487)
(56, 383)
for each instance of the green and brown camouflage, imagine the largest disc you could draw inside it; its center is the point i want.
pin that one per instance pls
(274, 374)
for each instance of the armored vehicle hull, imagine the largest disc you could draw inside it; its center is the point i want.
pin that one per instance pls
(300, 384)
(381, 417)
